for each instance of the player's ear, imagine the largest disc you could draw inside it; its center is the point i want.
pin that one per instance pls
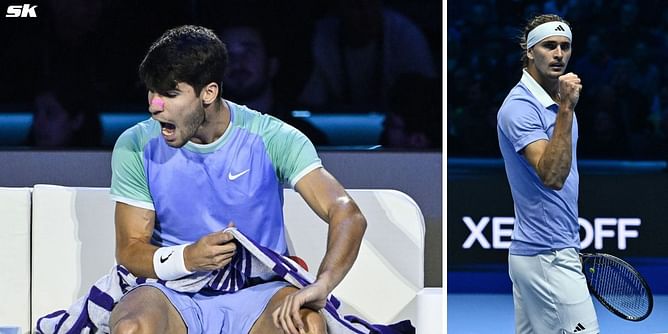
(209, 93)
(530, 53)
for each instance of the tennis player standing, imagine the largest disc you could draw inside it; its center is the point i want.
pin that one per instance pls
(538, 134)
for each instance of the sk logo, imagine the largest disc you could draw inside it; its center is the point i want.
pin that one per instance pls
(25, 10)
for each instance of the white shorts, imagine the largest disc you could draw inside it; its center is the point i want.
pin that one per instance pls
(550, 294)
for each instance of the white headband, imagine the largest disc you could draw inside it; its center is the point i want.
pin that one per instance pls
(552, 28)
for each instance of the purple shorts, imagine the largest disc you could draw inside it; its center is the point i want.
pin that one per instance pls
(226, 314)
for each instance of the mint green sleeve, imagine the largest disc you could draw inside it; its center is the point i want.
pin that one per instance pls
(291, 151)
(128, 178)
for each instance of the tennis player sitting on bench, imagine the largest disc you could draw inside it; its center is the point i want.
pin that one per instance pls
(200, 163)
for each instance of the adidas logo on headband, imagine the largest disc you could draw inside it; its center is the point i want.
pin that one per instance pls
(552, 28)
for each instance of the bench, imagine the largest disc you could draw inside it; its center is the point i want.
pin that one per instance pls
(72, 232)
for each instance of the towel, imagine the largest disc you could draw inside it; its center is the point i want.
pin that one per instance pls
(90, 313)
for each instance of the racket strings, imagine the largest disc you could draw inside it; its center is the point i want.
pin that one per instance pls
(620, 287)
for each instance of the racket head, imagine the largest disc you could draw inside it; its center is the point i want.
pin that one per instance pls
(617, 286)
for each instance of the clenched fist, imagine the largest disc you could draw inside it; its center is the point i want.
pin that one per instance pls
(570, 87)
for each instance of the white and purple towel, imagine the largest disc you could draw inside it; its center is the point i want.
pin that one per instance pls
(90, 314)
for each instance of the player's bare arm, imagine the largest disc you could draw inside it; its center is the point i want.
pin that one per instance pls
(134, 227)
(552, 159)
(327, 197)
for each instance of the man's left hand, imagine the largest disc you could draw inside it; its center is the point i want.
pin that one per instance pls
(287, 316)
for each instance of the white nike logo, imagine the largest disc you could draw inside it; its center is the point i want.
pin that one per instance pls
(233, 177)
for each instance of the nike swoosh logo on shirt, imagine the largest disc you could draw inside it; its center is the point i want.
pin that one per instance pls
(233, 177)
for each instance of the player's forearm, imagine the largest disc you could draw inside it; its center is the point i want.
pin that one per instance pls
(137, 257)
(346, 229)
(555, 163)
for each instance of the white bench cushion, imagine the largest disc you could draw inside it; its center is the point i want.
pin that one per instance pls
(73, 244)
(15, 258)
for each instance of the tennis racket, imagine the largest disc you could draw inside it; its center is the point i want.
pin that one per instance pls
(618, 286)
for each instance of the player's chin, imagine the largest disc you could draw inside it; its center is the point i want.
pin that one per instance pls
(175, 142)
(556, 70)
(553, 75)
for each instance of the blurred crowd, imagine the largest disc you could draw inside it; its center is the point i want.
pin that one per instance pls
(79, 58)
(619, 48)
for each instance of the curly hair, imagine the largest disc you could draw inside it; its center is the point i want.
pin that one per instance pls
(190, 54)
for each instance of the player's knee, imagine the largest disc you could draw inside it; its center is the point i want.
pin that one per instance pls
(127, 325)
(314, 322)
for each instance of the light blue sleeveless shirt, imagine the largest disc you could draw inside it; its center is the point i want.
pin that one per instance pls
(198, 189)
(545, 219)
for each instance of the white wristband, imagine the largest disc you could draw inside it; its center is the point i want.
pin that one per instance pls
(169, 264)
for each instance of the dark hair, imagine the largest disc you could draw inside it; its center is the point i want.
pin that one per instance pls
(531, 24)
(190, 54)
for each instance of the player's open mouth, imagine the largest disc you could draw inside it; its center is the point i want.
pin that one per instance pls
(168, 130)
